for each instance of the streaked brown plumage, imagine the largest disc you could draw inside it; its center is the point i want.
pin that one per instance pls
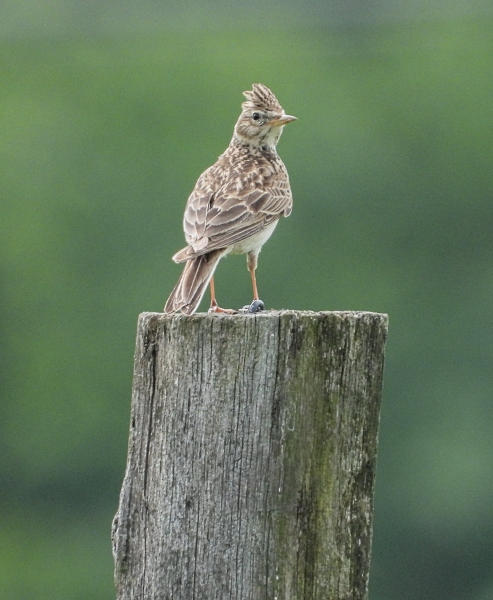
(236, 203)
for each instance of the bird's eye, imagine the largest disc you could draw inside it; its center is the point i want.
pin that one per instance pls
(256, 116)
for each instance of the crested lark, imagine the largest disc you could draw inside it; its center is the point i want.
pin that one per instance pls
(236, 204)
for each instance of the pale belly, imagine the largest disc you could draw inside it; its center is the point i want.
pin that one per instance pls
(254, 243)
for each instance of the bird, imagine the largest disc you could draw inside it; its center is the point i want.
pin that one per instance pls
(236, 203)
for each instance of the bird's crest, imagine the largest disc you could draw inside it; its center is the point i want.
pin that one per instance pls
(261, 97)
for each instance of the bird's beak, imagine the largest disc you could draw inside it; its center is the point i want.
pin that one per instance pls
(282, 120)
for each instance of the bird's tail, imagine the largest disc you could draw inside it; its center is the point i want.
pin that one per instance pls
(191, 286)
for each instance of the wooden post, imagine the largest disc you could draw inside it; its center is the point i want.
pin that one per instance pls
(251, 460)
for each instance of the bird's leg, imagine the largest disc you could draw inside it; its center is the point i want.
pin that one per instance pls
(213, 296)
(252, 266)
(257, 304)
(214, 308)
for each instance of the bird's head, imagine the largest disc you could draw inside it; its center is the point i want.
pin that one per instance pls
(262, 119)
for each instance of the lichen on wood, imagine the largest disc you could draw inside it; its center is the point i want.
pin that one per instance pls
(252, 456)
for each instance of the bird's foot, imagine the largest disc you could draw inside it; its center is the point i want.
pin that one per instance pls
(217, 309)
(255, 307)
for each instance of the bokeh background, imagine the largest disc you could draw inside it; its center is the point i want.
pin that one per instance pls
(109, 111)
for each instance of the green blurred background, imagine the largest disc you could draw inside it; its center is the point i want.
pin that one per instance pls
(109, 111)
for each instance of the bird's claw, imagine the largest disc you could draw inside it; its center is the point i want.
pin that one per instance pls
(218, 309)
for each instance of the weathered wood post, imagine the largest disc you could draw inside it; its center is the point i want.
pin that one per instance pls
(251, 460)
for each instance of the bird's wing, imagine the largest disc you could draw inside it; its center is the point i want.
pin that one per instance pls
(219, 219)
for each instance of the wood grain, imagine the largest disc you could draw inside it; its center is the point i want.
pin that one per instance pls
(251, 459)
